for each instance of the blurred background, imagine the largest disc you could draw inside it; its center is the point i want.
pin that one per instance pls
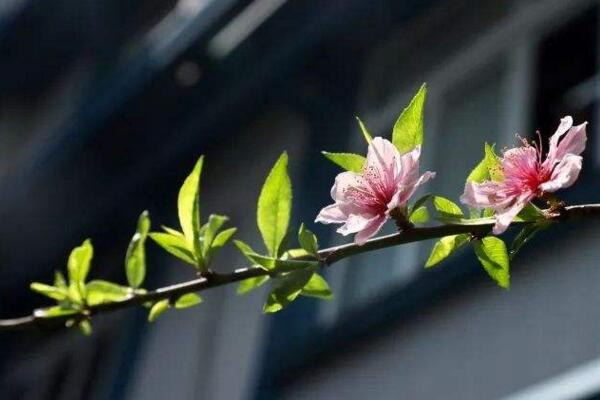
(105, 106)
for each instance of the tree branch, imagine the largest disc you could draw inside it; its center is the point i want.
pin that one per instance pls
(328, 257)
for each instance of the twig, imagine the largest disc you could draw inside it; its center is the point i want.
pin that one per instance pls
(329, 256)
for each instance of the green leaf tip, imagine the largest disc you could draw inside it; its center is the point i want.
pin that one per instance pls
(135, 258)
(78, 267)
(308, 241)
(274, 206)
(348, 161)
(493, 256)
(368, 137)
(408, 129)
(188, 207)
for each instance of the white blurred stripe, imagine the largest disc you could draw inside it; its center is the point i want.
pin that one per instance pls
(575, 384)
(242, 26)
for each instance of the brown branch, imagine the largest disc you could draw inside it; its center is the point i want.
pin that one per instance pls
(328, 257)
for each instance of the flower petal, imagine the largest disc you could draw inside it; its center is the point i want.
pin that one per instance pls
(565, 124)
(382, 159)
(371, 229)
(343, 181)
(405, 192)
(573, 142)
(505, 216)
(565, 173)
(354, 223)
(481, 195)
(332, 214)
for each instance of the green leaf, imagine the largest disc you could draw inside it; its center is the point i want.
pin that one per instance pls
(188, 206)
(368, 137)
(176, 245)
(49, 291)
(419, 216)
(491, 252)
(281, 265)
(444, 247)
(317, 287)
(408, 129)
(531, 213)
(308, 240)
(251, 283)
(79, 266)
(488, 168)
(188, 300)
(214, 224)
(466, 221)
(135, 258)
(60, 281)
(274, 206)
(55, 311)
(222, 238)
(287, 288)
(157, 309)
(244, 249)
(524, 236)
(296, 253)
(348, 161)
(99, 291)
(173, 232)
(420, 202)
(446, 208)
(85, 327)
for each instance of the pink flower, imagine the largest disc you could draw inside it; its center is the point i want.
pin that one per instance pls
(363, 201)
(526, 176)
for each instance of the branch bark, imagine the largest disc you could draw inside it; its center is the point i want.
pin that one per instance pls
(328, 256)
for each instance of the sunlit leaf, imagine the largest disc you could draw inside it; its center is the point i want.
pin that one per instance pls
(214, 224)
(188, 207)
(317, 287)
(444, 247)
(446, 207)
(79, 266)
(157, 309)
(135, 259)
(419, 216)
(274, 206)
(525, 235)
(188, 300)
(348, 161)
(222, 238)
(245, 249)
(308, 240)
(408, 129)
(368, 137)
(99, 291)
(530, 213)
(175, 245)
(287, 288)
(491, 252)
(49, 291)
(250, 284)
